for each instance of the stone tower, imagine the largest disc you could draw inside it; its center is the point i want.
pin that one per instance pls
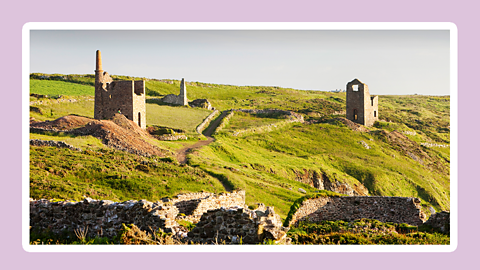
(183, 94)
(125, 97)
(361, 107)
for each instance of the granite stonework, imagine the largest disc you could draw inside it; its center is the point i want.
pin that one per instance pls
(384, 209)
(181, 99)
(125, 97)
(361, 107)
(440, 221)
(105, 217)
(239, 225)
(194, 205)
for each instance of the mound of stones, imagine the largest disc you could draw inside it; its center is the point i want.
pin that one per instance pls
(118, 132)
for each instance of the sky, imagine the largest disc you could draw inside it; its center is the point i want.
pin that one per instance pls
(395, 62)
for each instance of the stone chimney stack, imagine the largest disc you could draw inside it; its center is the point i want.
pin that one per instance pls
(99, 61)
(183, 93)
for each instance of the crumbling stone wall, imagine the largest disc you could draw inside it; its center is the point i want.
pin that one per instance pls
(361, 107)
(103, 218)
(385, 209)
(440, 221)
(111, 97)
(194, 205)
(230, 226)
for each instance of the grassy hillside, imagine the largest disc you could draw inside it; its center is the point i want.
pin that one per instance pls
(58, 88)
(273, 158)
(265, 164)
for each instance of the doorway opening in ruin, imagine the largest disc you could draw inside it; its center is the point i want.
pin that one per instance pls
(355, 87)
(139, 119)
(355, 114)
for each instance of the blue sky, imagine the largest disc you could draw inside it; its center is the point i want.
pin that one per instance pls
(388, 61)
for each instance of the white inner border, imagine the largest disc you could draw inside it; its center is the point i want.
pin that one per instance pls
(242, 26)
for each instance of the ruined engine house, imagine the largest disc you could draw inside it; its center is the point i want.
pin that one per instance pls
(361, 107)
(125, 97)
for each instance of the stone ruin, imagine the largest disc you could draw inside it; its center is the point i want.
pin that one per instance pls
(222, 218)
(361, 107)
(239, 225)
(350, 208)
(105, 218)
(125, 97)
(181, 99)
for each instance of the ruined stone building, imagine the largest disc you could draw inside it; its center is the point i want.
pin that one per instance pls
(361, 107)
(125, 97)
(181, 99)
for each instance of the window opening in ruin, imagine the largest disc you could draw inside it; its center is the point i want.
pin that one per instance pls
(139, 119)
(374, 113)
(371, 100)
(355, 114)
(355, 87)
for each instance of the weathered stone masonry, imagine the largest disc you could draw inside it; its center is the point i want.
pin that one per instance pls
(239, 224)
(106, 217)
(111, 97)
(385, 209)
(181, 99)
(361, 107)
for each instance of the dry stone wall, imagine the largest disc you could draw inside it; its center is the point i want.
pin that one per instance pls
(440, 221)
(206, 122)
(385, 209)
(230, 226)
(105, 217)
(194, 205)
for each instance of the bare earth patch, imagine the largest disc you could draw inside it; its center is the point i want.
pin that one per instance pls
(118, 132)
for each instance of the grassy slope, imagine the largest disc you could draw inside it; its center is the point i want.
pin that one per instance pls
(271, 159)
(109, 174)
(263, 164)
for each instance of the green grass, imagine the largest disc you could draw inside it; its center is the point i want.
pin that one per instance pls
(109, 174)
(60, 88)
(82, 142)
(363, 232)
(333, 150)
(175, 116)
(244, 120)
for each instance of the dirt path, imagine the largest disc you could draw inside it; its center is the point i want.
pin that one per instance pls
(182, 153)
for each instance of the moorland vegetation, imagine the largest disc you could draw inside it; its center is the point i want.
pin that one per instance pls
(274, 167)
